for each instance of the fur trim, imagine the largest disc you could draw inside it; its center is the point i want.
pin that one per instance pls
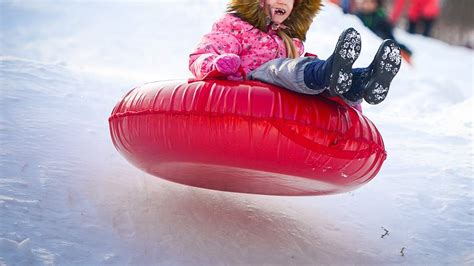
(298, 22)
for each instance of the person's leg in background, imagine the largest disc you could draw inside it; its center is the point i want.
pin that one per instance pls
(412, 25)
(427, 26)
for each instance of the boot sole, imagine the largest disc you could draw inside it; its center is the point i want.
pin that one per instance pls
(345, 54)
(387, 63)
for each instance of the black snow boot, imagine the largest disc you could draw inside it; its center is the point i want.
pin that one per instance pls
(336, 71)
(384, 67)
(360, 79)
(345, 54)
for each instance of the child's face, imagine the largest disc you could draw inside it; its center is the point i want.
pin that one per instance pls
(278, 10)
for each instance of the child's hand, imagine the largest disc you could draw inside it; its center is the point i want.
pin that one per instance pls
(227, 64)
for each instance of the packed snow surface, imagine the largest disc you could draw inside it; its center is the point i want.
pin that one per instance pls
(68, 197)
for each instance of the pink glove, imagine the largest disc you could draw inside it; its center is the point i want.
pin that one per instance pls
(227, 64)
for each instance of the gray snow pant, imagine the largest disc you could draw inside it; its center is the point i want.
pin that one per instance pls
(285, 72)
(288, 73)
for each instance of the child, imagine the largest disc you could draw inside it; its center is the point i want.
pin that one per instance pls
(372, 14)
(263, 40)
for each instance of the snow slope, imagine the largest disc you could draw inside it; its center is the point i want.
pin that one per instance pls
(67, 197)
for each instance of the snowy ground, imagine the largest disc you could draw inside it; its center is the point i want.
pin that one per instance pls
(67, 197)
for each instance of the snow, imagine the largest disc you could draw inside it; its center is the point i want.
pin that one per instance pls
(68, 197)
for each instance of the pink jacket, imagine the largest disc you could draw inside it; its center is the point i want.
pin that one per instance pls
(230, 34)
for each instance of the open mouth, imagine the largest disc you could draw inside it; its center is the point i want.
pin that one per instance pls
(279, 11)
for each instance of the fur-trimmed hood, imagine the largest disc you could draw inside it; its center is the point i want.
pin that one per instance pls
(297, 23)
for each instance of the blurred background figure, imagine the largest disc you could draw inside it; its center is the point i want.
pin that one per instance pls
(421, 14)
(454, 19)
(372, 14)
(346, 5)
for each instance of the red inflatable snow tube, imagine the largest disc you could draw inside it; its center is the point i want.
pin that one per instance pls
(246, 137)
